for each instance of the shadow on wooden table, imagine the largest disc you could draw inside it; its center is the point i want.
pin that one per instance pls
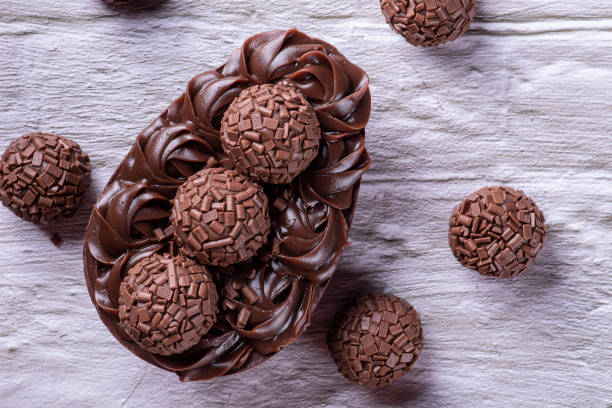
(138, 7)
(347, 285)
(401, 392)
(545, 277)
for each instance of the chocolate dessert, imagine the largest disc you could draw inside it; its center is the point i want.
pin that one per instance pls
(429, 22)
(497, 231)
(167, 303)
(43, 177)
(219, 217)
(303, 176)
(376, 340)
(271, 133)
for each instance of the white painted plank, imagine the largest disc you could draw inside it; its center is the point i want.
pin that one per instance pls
(521, 99)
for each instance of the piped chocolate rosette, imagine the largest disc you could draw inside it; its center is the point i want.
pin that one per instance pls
(294, 221)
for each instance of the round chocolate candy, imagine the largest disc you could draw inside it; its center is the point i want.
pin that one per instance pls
(271, 133)
(497, 231)
(43, 177)
(220, 217)
(166, 304)
(429, 22)
(377, 340)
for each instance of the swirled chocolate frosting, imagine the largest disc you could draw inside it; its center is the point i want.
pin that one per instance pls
(266, 301)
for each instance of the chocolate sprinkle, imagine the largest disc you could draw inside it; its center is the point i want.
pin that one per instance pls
(43, 177)
(497, 231)
(271, 133)
(57, 240)
(376, 340)
(220, 217)
(167, 304)
(429, 22)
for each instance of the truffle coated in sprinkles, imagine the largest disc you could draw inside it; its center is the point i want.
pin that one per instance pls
(497, 231)
(429, 22)
(43, 177)
(219, 217)
(167, 304)
(376, 340)
(271, 133)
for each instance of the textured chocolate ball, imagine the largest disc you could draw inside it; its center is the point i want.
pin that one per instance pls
(43, 177)
(271, 133)
(497, 231)
(429, 22)
(220, 217)
(166, 304)
(376, 340)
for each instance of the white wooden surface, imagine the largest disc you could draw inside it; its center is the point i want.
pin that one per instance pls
(522, 99)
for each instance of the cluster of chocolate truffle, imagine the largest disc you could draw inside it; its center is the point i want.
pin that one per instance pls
(219, 217)
(224, 178)
(497, 231)
(43, 177)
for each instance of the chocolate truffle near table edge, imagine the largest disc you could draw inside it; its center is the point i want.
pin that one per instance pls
(43, 177)
(265, 302)
(271, 133)
(219, 217)
(429, 22)
(166, 304)
(376, 340)
(497, 231)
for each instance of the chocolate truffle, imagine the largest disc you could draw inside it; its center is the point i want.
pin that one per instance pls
(376, 340)
(271, 133)
(220, 217)
(166, 304)
(429, 22)
(497, 231)
(43, 177)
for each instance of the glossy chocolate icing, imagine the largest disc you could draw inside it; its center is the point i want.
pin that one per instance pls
(308, 234)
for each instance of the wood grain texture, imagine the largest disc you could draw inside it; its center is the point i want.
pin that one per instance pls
(521, 99)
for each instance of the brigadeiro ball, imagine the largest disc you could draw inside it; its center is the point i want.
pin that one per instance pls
(429, 22)
(497, 231)
(377, 340)
(43, 177)
(220, 217)
(271, 133)
(166, 304)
